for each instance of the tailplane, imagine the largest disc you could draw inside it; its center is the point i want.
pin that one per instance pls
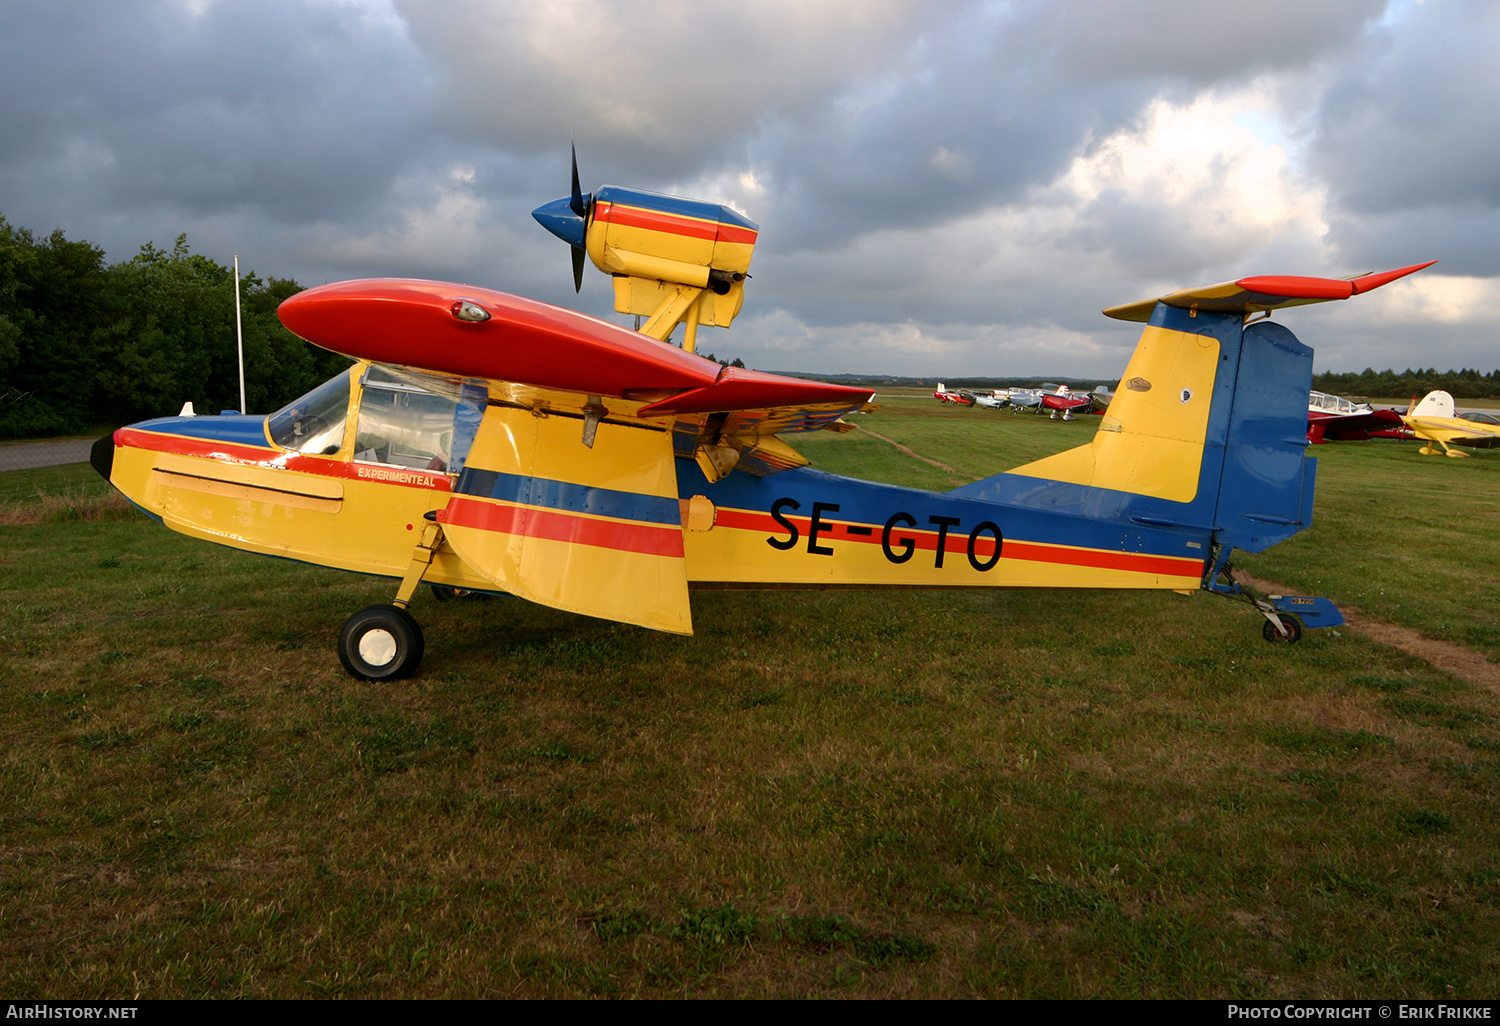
(1206, 434)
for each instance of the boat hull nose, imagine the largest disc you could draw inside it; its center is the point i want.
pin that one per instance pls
(102, 455)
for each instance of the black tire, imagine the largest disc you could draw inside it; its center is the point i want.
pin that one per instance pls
(1291, 637)
(381, 643)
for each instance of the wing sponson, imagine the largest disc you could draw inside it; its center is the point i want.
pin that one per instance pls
(594, 529)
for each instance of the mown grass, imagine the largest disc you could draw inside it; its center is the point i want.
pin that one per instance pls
(1027, 793)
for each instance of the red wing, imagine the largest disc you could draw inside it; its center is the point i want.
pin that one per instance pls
(473, 332)
(556, 362)
(1360, 426)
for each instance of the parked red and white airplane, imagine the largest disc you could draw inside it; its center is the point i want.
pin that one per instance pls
(1332, 417)
(952, 395)
(1064, 401)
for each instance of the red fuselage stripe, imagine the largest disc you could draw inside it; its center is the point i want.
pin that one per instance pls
(958, 541)
(672, 224)
(277, 459)
(503, 518)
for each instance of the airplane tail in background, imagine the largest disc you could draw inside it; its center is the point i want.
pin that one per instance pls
(1433, 404)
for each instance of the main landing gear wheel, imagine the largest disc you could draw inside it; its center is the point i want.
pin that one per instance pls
(1293, 630)
(381, 643)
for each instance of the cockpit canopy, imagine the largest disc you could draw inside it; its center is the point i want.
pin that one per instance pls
(398, 423)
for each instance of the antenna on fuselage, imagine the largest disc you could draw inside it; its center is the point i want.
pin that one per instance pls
(239, 333)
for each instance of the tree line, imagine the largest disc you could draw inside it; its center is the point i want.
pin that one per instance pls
(86, 345)
(1388, 384)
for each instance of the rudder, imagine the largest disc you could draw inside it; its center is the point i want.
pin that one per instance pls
(1266, 492)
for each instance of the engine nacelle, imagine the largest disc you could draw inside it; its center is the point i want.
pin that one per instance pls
(653, 243)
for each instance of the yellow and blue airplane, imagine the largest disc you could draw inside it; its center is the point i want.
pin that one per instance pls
(489, 443)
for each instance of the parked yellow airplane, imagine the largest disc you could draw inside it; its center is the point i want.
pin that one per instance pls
(488, 442)
(1433, 420)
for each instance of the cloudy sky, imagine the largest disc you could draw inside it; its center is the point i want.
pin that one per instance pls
(943, 187)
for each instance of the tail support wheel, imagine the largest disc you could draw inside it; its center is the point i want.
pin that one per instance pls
(381, 642)
(1293, 630)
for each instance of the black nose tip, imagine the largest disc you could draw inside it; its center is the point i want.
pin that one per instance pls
(102, 455)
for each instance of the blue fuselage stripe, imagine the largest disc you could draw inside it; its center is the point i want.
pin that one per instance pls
(674, 205)
(240, 429)
(572, 498)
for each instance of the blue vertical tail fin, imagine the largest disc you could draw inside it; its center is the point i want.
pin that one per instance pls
(1208, 429)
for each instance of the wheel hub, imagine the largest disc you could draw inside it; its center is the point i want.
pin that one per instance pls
(377, 647)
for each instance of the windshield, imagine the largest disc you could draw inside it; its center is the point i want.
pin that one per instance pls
(315, 422)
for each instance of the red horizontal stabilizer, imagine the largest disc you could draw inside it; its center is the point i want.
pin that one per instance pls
(1374, 281)
(418, 324)
(740, 389)
(1295, 287)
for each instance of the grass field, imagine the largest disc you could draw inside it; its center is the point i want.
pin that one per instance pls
(921, 794)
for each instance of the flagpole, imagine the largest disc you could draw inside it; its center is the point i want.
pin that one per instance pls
(239, 333)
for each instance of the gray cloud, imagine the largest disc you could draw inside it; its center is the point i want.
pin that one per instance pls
(297, 112)
(1202, 44)
(653, 84)
(1408, 138)
(954, 185)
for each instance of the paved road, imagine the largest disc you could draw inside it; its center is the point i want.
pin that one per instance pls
(28, 455)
